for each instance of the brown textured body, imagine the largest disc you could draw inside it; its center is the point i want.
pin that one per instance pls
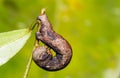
(49, 37)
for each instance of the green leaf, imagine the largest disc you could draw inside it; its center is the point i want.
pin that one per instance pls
(11, 42)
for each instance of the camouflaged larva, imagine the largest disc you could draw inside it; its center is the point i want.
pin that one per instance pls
(42, 55)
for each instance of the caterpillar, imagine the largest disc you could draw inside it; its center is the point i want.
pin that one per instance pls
(42, 55)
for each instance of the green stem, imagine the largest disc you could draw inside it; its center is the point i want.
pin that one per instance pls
(35, 45)
(33, 26)
(28, 67)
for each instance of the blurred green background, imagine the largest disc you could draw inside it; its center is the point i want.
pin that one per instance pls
(92, 27)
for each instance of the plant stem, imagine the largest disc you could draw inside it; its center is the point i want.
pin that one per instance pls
(28, 67)
(35, 45)
(33, 26)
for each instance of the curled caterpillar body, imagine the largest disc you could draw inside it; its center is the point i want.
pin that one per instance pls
(42, 55)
